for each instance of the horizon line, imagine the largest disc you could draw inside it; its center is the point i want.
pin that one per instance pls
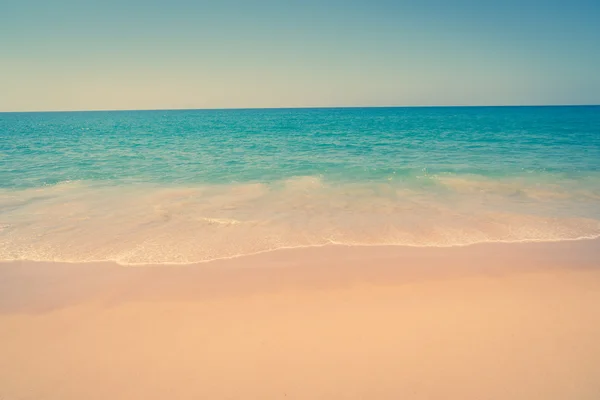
(298, 108)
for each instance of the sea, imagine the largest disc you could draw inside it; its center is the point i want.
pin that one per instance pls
(188, 186)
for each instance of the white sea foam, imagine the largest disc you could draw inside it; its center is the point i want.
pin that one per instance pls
(221, 221)
(150, 224)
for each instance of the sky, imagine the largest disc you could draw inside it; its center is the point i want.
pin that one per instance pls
(134, 54)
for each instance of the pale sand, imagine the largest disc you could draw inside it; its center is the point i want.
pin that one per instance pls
(480, 322)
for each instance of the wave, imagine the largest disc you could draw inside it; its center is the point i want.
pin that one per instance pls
(150, 224)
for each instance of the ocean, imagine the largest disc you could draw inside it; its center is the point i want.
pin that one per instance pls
(186, 186)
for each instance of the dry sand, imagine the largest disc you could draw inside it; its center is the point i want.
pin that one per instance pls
(518, 321)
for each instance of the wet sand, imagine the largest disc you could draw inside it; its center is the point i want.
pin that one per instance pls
(494, 321)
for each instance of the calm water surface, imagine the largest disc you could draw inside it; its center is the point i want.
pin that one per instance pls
(186, 186)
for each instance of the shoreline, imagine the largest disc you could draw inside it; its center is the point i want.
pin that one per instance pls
(22, 282)
(329, 246)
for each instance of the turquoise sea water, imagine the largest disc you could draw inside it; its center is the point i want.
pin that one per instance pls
(196, 185)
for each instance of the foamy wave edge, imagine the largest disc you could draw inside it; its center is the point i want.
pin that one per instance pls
(329, 244)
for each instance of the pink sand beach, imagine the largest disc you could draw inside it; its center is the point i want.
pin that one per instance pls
(493, 321)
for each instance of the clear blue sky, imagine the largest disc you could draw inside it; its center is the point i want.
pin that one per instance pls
(72, 55)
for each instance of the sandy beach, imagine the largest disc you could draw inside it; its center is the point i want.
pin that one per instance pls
(493, 321)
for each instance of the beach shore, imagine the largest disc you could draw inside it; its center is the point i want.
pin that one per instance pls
(490, 321)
